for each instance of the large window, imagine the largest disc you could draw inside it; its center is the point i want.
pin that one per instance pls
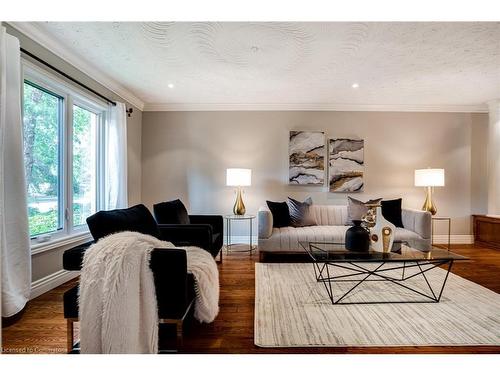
(63, 136)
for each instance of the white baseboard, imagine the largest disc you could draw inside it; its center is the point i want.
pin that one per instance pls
(454, 239)
(51, 281)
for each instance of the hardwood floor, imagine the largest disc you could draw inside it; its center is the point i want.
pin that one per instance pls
(42, 328)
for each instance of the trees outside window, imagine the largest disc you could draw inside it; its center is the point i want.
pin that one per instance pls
(42, 147)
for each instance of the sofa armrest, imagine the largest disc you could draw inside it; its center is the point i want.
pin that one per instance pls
(265, 222)
(169, 268)
(215, 221)
(417, 221)
(187, 234)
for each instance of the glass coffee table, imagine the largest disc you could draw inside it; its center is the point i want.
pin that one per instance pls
(333, 263)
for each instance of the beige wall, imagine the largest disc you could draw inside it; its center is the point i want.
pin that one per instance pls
(479, 142)
(185, 155)
(48, 262)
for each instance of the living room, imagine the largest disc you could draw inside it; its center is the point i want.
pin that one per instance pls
(264, 171)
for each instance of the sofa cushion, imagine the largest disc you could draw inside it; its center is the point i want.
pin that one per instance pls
(135, 219)
(357, 209)
(280, 212)
(287, 239)
(171, 212)
(300, 213)
(391, 210)
(329, 214)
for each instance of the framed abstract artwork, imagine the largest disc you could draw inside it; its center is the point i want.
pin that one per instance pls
(306, 151)
(346, 165)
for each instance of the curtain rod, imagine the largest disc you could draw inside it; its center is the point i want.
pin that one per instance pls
(67, 76)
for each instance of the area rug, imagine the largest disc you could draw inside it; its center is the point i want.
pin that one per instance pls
(293, 310)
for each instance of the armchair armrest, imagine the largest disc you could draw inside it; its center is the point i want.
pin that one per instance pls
(265, 222)
(418, 222)
(169, 268)
(187, 234)
(73, 258)
(215, 221)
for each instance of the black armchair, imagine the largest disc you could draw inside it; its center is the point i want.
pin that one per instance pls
(174, 286)
(176, 226)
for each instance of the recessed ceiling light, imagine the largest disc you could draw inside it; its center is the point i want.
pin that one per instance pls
(355, 85)
(170, 85)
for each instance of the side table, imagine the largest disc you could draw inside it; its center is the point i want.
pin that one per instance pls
(441, 218)
(229, 243)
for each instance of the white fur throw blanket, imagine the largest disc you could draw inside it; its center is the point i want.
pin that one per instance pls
(117, 301)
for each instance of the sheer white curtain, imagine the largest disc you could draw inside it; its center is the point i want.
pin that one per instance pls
(116, 158)
(14, 232)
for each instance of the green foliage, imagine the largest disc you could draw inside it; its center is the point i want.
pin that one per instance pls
(42, 222)
(46, 222)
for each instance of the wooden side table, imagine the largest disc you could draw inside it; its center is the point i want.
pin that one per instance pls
(229, 243)
(441, 218)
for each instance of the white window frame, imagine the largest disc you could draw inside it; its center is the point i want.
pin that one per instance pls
(70, 95)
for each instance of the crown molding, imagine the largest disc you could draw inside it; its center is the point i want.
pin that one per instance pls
(167, 107)
(40, 37)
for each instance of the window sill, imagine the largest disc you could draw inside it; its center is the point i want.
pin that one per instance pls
(73, 240)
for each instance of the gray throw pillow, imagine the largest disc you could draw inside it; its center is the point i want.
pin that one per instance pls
(357, 209)
(300, 213)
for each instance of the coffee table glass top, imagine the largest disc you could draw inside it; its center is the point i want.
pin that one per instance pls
(401, 251)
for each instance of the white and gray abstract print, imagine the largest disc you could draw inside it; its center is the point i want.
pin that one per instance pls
(346, 165)
(306, 152)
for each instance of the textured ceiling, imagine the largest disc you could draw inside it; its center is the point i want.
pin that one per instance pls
(293, 63)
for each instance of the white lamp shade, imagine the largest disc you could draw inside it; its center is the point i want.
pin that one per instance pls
(429, 177)
(238, 177)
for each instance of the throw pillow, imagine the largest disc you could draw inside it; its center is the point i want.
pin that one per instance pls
(357, 209)
(281, 214)
(300, 213)
(391, 210)
(172, 212)
(134, 219)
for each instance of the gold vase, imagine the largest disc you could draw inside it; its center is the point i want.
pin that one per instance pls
(429, 204)
(239, 207)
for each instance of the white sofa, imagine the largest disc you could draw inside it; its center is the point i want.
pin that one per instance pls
(331, 228)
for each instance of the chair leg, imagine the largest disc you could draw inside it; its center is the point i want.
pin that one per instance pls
(178, 326)
(220, 256)
(69, 335)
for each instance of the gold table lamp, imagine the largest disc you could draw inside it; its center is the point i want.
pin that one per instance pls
(238, 177)
(429, 178)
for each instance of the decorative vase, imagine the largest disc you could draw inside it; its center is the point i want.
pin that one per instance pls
(357, 238)
(382, 233)
(239, 208)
